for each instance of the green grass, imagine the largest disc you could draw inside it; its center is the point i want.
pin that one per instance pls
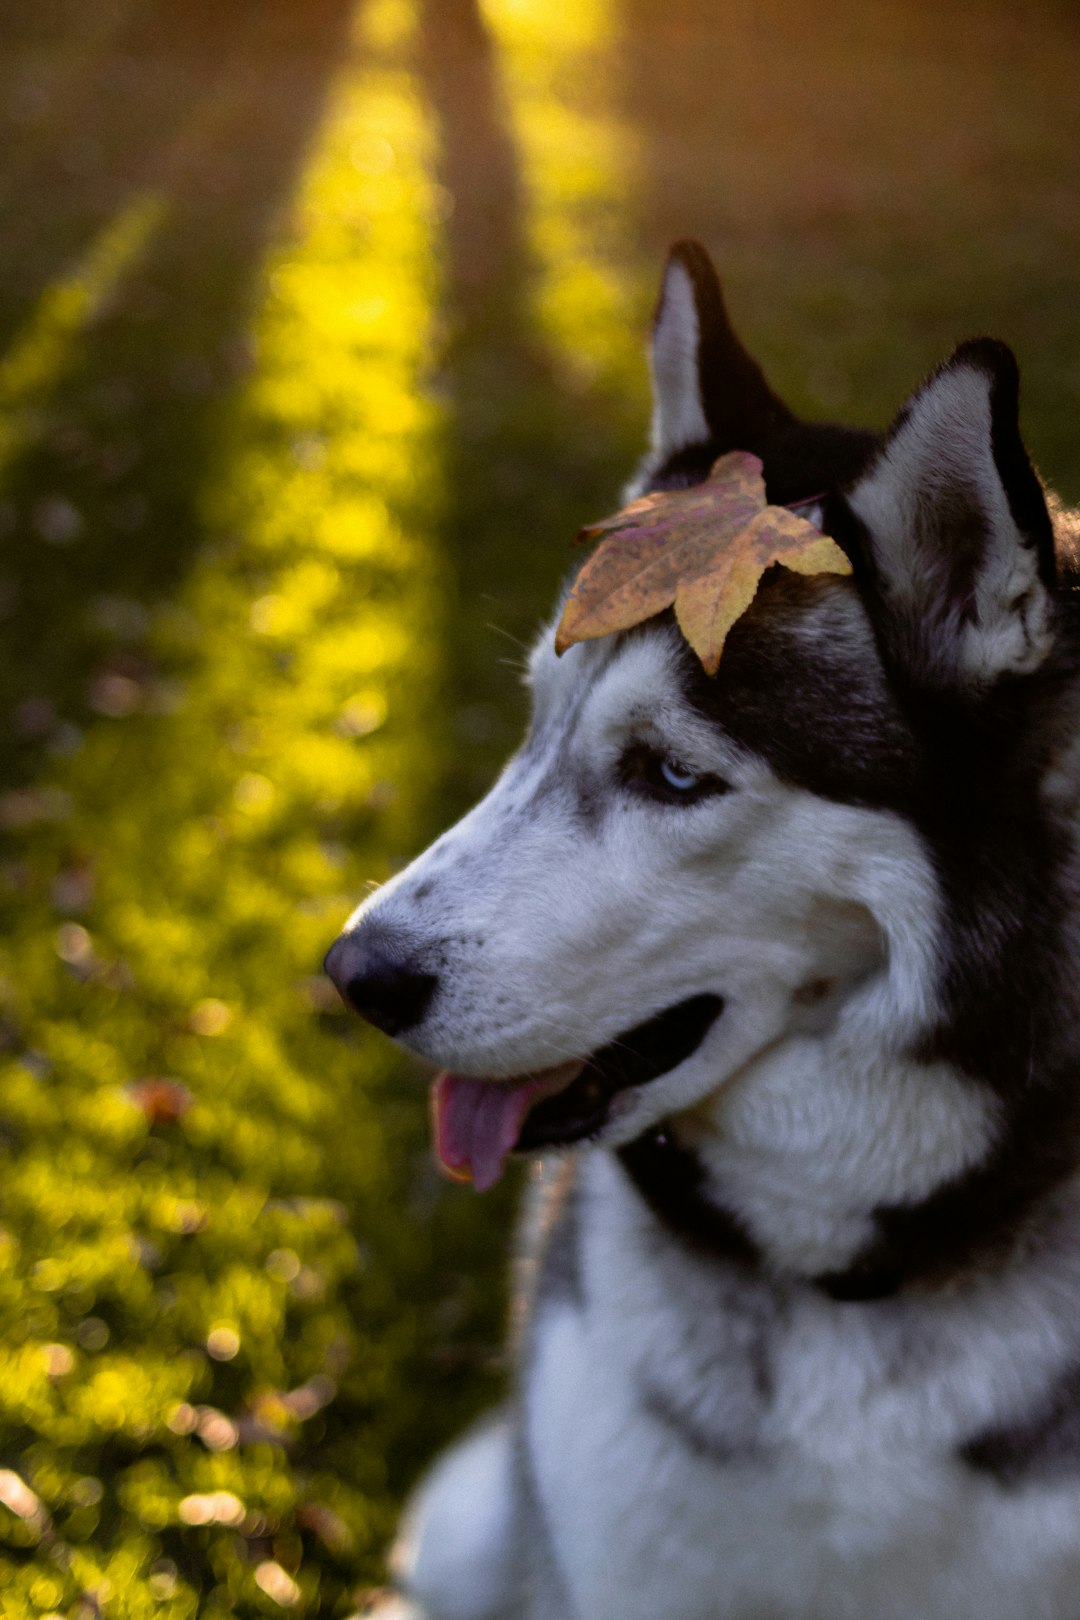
(320, 334)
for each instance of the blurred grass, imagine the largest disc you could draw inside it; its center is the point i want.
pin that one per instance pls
(320, 333)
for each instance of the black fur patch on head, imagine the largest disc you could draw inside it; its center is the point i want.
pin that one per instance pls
(684, 468)
(806, 700)
(811, 458)
(800, 460)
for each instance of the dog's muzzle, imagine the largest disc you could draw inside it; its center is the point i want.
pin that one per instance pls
(480, 1122)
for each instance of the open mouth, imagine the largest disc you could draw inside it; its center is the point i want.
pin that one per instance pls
(479, 1123)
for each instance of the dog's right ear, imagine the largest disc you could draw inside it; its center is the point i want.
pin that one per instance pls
(953, 540)
(707, 391)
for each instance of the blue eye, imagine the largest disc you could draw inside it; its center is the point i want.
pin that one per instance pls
(677, 777)
(664, 779)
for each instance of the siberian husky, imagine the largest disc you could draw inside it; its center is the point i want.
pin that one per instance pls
(791, 956)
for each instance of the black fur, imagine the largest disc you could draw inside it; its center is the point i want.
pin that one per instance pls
(671, 1180)
(1023, 490)
(817, 719)
(1038, 1449)
(717, 1449)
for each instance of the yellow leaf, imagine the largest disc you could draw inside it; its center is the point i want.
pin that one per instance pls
(702, 550)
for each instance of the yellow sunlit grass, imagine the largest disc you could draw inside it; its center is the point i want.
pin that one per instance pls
(281, 725)
(579, 164)
(35, 360)
(534, 24)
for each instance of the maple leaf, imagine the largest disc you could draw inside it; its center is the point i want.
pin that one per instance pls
(702, 549)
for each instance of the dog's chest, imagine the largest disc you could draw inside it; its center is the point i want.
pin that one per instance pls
(731, 1459)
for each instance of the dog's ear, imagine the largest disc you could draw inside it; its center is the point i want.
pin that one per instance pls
(952, 532)
(707, 390)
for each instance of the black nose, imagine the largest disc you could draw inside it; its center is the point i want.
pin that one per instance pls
(377, 977)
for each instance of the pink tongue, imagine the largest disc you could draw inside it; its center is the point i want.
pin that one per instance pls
(477, 1122)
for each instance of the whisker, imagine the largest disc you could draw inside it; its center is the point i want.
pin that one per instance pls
(508, 635)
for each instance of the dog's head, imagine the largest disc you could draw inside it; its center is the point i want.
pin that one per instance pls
(677, 872)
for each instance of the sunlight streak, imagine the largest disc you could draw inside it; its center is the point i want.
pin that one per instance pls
(330, 464)
(579, 164)
(36, 359)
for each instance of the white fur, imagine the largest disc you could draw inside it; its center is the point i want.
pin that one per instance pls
(678, 414)
(455, 1540)
(846, 1503)
(819, 1132)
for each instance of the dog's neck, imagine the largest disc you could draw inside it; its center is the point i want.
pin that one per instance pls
(791, 1164)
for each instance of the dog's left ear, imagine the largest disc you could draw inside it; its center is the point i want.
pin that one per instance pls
(953, 535)
(707, 390)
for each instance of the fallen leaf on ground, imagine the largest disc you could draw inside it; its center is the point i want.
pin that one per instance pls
(702, 549)
(164, 1102)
